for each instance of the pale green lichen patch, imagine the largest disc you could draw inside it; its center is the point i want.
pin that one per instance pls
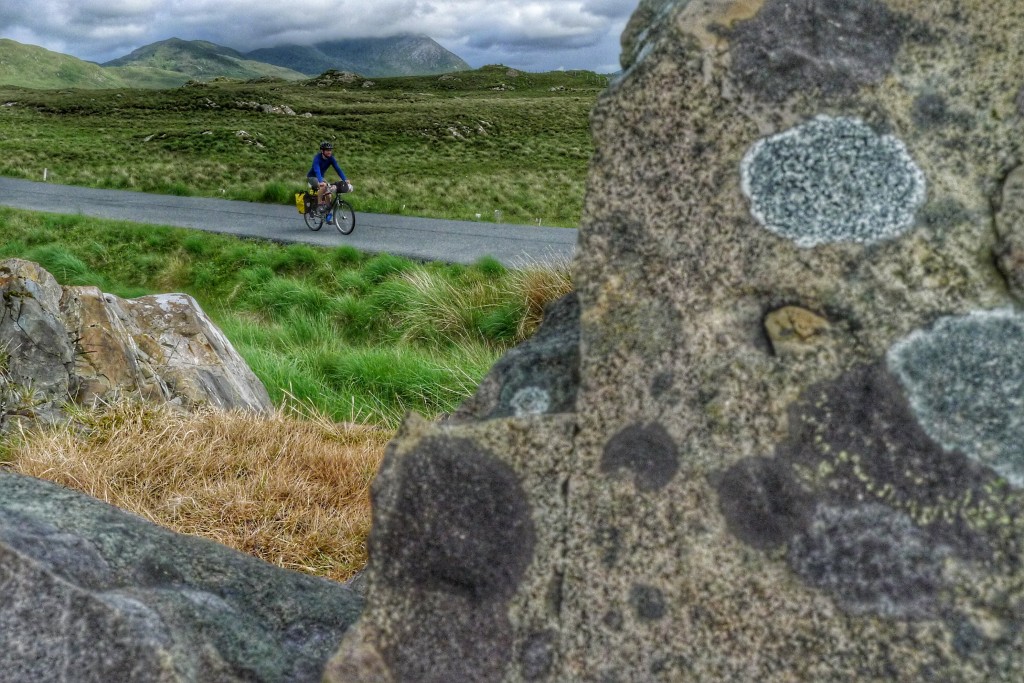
(832, 180)
(965, 381)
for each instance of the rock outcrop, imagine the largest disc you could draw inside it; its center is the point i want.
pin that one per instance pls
(795, 447)
(91, 593)
(61, 345)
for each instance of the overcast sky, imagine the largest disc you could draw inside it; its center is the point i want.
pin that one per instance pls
(531, 36)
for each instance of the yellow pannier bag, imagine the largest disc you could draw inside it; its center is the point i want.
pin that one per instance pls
(300, 203)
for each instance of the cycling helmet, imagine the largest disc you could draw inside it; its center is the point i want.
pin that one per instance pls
(326, 145)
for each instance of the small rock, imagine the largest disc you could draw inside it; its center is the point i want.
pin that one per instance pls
(794, 330)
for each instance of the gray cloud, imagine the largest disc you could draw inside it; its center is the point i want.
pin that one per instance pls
(530, 35)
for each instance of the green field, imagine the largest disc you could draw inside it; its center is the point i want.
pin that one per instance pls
(450, 146)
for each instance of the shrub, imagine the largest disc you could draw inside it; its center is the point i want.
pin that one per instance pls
(63, 265)
(277, 193)
(490, 266)
(383, 266)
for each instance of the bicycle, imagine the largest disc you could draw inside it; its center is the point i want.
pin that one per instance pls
(336, 211)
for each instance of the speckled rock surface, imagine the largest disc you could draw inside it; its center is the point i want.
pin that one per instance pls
(795, 453)
(92, 594)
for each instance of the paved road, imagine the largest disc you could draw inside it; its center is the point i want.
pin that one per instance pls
(425, 239)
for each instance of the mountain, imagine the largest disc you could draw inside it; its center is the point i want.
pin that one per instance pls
(400, 55)
(201, 60)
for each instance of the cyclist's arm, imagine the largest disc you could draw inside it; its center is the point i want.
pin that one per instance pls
(341, 174)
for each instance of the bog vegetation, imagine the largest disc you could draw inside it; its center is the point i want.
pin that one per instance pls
(346, 343)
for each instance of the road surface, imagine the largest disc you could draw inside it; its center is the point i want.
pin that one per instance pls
(425, 239)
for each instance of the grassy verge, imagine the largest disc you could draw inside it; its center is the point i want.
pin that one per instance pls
(357, 337)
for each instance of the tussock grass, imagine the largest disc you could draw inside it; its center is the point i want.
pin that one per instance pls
(291, 489)
(536, 285)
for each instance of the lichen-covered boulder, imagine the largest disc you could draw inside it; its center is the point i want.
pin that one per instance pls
(61, 345)
(539, 376)
(796, 450)
(92, 594)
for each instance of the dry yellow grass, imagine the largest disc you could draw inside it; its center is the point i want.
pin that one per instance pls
(539, 285)
(292, 490)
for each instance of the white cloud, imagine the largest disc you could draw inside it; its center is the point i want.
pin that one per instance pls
(530, 35)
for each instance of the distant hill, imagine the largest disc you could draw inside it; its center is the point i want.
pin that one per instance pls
(401, 55)
(162, 65)
(201, 60)
(30, 66)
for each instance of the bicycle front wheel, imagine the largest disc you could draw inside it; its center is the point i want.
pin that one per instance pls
(343, 217)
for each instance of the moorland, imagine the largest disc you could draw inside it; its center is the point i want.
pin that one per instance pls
(449, 146)
(347, 343)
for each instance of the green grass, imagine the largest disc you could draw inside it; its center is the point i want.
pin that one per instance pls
(355, 336)
(454, 146)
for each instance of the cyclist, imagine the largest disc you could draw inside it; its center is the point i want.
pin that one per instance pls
(315, 177)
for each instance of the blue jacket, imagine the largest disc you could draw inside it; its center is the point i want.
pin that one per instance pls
(320, 164)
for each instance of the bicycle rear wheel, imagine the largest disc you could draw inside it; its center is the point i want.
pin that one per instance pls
(343, 217)
(314, 219)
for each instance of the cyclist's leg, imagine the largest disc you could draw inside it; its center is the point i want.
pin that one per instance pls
(313, 187)
(320, 192)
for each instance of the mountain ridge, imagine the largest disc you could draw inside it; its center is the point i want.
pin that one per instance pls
(200, 59)
(405, 54)
(175, 61)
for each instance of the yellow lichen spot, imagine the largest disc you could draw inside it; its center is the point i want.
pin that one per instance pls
(825, 469)
(696, 18)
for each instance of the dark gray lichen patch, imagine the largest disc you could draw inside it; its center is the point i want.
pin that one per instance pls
(832, 180)
(648, 452)
(662, 383)
(965, 380)
(835, 46)
(932, 110)
(460, 524)
(445, 638)
(872, 559)
(868, 503)
(609, 539)
(856, 439)
(943, 214)
(648, 602)
(456, 537)
(762, 502)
